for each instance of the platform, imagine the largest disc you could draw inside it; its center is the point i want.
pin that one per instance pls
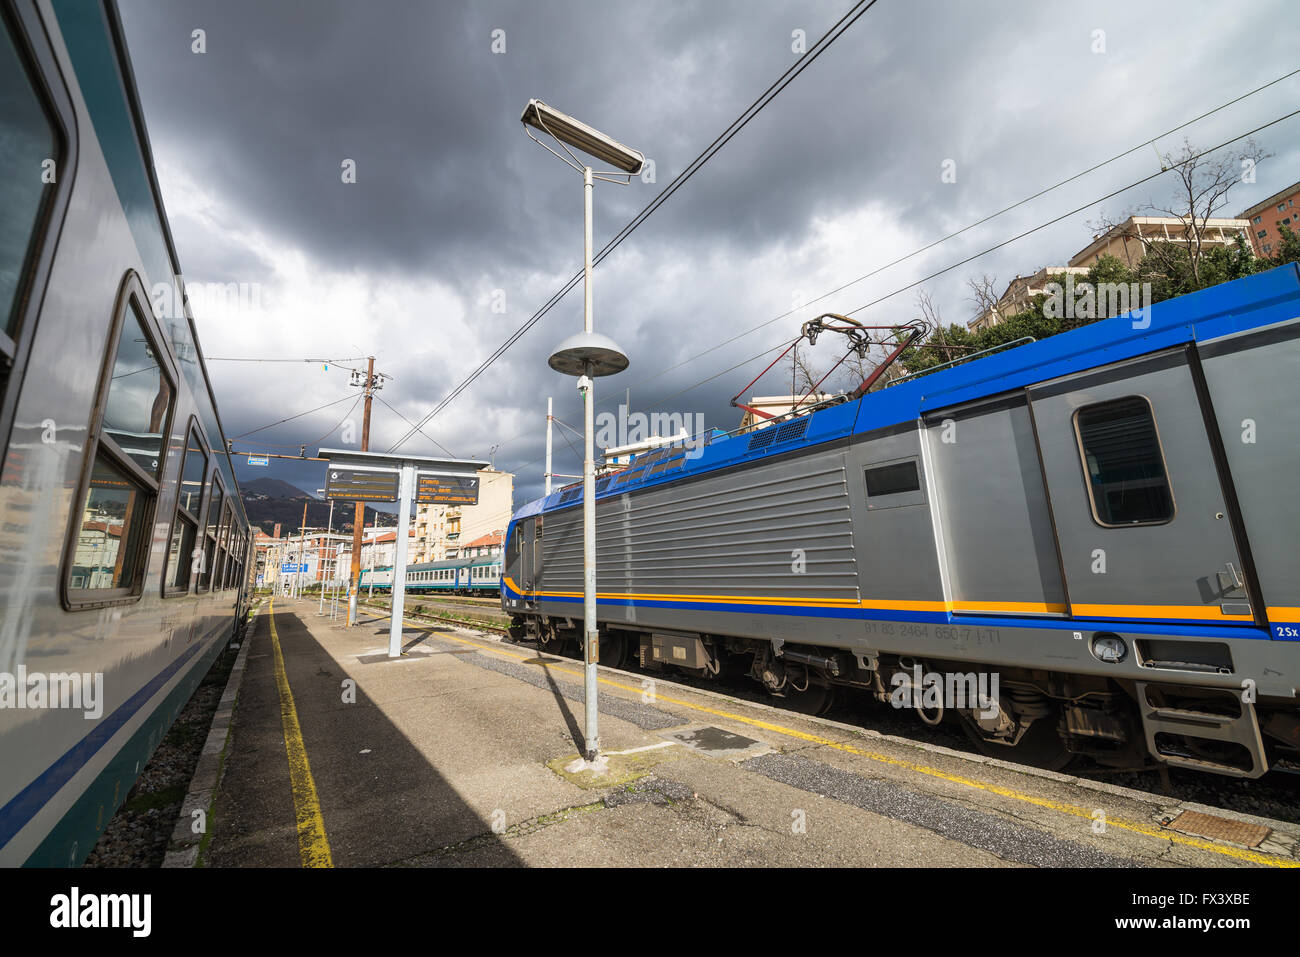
(462, 753)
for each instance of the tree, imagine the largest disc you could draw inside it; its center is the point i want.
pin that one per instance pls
(983, 294)
(1204, 182)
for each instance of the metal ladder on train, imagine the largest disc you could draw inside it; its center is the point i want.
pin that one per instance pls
(1242, 729)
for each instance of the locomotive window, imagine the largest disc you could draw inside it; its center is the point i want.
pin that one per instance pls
(892, 479)
(30, 143)
(108, 551)
(1120, 449)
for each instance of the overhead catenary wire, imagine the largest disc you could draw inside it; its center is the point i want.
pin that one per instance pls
(404, 418)
(815, 51)
(290, 418)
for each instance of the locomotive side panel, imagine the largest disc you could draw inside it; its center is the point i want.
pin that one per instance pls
(992, 512)
(761, 552)
(1251, 381)
(893, 526)
(1141, 518)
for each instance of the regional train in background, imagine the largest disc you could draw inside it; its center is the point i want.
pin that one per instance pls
(463, 576)
(1107, 521)
(126, 551)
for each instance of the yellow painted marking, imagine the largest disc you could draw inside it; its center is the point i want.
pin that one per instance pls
(313, 845)
(1073, 810)
(1284, 614)
(1018, 607)
(1197, 612)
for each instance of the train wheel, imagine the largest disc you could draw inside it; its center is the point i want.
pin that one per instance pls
(1041, 746)
(815, 699)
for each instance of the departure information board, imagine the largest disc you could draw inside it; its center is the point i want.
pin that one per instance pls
(432, 489)
(364, 485)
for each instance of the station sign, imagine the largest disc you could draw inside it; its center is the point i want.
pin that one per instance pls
(292, 568)
(436, 488)
(259, 460)
(366, 485)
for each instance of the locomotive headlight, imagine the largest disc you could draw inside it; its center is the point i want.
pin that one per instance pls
(1109, 648)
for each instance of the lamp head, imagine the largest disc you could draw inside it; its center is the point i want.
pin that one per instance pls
(582, 137)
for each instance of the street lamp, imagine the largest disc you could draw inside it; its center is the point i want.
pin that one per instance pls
(588, 356)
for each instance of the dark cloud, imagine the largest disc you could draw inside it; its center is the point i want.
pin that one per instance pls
(839, 175)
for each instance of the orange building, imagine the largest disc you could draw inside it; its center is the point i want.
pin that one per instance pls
(1280, 209)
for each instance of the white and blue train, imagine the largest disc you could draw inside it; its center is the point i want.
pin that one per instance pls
(464, 576)
(124, 556)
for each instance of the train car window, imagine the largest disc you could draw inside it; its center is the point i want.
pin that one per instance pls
(216, 498)
(1124, 464)
(185, 525)
(30, 143)
(109, 549)
(223, 549)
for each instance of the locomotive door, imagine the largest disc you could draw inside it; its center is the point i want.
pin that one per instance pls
(1140, 515)
(527, 565)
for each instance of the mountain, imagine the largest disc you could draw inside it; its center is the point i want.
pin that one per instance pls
(270, 501)
(270, 488)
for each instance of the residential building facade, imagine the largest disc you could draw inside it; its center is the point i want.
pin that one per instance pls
(1266, 218)
(1127, 241)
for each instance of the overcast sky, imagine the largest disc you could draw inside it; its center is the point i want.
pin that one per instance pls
(455, 212)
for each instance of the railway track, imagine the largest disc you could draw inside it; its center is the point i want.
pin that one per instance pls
(465, 621)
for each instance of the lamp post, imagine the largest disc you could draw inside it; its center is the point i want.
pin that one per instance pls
(587, 356)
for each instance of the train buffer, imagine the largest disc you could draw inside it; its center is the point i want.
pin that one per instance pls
(465, 752)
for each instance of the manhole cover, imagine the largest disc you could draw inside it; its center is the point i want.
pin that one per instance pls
(1219, 828)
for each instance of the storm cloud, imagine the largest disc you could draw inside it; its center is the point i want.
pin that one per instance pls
(458, 227)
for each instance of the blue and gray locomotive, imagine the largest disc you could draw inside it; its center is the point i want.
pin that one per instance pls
(1104, 521)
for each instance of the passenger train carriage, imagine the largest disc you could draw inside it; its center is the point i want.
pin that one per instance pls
(464, 576)
(1105, 520)
(124, 557)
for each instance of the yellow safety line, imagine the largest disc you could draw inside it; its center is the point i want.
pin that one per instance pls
(313, 845)
(1073, 810)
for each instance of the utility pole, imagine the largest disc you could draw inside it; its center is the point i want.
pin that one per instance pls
(329, 533)
(358, 523)
(549, 418)
(302, 553)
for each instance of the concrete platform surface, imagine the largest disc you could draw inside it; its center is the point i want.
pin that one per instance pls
(464, 752)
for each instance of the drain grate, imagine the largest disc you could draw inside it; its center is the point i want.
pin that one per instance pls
(1220, 828)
